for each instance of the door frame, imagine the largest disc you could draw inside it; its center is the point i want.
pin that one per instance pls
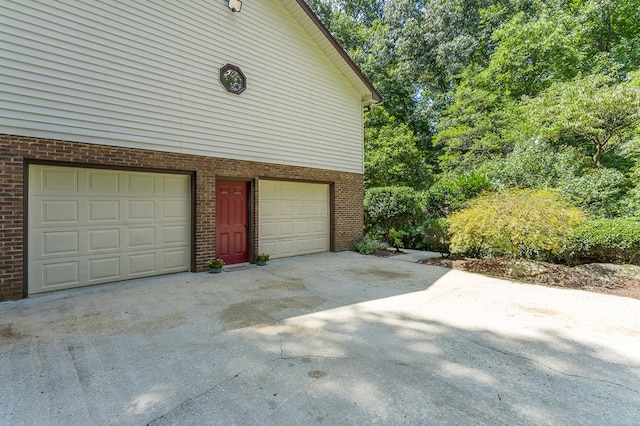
(251, 237)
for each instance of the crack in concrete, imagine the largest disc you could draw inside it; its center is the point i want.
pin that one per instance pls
(193, 398)
(515, 355)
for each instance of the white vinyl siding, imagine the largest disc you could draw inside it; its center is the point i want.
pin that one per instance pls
(144, 74)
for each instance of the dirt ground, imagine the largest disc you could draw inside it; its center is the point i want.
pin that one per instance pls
(620, 280)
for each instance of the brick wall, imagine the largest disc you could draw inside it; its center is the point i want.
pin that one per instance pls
(16, 151)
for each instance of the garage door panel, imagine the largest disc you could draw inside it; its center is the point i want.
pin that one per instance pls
(317, 208)
(172, 185)
(303, 227)
(318, 226)
(144, 237)
(268, 230)
(141, 210)
(103, 211)
(60, 181)
(90, 226)
(268, 209)
(286, 228)
(104, 239)
(59, 243)
(286, 208)
(141, 184)
(293, 218)
(104, 269)
(174, 234)
(175, 260)
(103, 182)
(285, 248)
(142, 264)
(58, 211)
(174, 209)
(60, 274)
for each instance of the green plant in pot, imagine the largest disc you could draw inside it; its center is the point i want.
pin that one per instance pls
(215, 265)
(262, 259)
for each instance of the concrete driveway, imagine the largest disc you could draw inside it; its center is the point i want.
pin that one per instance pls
(337, 338)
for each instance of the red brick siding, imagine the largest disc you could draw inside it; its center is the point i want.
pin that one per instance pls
(15, 151)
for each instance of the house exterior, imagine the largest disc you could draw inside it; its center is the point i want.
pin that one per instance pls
(142, 138)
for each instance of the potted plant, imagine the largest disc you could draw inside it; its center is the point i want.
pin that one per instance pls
(262, 259)
(215, 265)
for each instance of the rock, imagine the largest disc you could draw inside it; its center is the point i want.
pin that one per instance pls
(610, 271)
(523, 268)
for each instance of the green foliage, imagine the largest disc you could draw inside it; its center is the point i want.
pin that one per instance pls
(532, 52)
(368, 246)
(436, 235)
(533, 164)
(475, 127)
(519, 222)
(391, 208)
(592, 110)
(215, 264)
(391, 156)
(630, 204)
(451, 192)
(605, 240)
(598, 192)
(488, 94)
(395, 238)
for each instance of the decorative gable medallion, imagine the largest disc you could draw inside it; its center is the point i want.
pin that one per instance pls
(233, 79)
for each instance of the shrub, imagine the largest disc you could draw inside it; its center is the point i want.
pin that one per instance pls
(597, 192)
(368, 246)
(605, 240)
(522, 222)
(452, 192)
(533, 165)
(436, 235)
(391, 208)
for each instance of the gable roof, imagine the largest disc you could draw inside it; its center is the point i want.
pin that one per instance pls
(327, 42)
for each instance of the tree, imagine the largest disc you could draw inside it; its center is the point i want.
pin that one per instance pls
(476, 126)
(533, 52)
(592, 110)
(391, 157)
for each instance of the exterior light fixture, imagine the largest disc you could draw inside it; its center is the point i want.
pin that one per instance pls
(235, 5)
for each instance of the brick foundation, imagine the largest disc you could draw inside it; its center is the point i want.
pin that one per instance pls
(16, 151)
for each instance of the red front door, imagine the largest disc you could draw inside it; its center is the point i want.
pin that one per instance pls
(232, 221)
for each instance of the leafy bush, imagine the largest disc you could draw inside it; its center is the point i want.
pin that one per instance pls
(391, 208)
(533, 165)
(451, 193)
(436, 235)
(605, 240)
(522, 222)
(368, 246)
(598, 192)
(395, 238)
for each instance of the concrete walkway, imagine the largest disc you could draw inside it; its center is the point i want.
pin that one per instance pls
(336, 339)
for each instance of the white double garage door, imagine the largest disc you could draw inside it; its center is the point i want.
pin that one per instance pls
(91, 226)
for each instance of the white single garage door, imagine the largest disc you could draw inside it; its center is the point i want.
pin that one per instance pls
(293, 218)
(92, 226)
